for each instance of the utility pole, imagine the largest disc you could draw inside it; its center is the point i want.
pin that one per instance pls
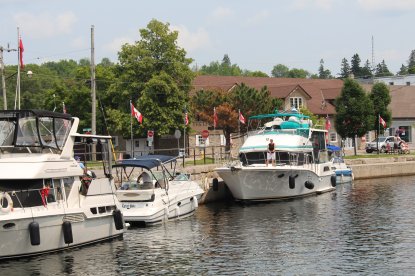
(93, 86)
(93, 93)
(3, 77)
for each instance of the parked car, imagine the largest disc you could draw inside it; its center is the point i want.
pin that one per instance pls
(383, 143)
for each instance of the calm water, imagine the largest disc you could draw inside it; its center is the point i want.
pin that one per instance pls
(361, 228)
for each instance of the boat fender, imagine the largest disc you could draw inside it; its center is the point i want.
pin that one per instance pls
(195, 203)
(291, 181)
(8, 208)
(118, 219)
(34, 232)
(281, 175)
(215, 184)
(67, 232)
(309, 185)
(333, 180)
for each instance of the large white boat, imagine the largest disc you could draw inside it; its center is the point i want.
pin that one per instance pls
(45, 206)
(301, 166)
(152, 193)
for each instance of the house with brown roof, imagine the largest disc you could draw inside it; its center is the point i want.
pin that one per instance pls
(316, 95)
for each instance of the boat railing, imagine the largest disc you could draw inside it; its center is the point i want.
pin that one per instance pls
(34, 197)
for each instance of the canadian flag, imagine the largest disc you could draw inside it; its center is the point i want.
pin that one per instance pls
(241, 118)
(382, 122)
(21, 50)
(215, 118)
(136, 114)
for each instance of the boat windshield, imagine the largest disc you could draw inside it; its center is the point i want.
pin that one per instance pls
(36, 131)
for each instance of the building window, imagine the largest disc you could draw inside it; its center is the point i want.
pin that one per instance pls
(296, 102)
(201, 142)
(391, 83)
(333, 137)
(408, 83)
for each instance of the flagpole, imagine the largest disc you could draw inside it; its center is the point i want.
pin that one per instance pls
(131, 127)
(184, 134)
(17, 99)
(239, 124)
(377, 138)
(214, 121)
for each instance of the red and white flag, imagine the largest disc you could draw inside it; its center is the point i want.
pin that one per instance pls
(21, 50)
(135, 113)
(241, 118)
(215, 118)
(186, 119)
(328, 123)
(382, 122)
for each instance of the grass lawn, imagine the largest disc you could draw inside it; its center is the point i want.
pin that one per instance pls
(199, 162)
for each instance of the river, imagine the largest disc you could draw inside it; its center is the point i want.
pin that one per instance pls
(362, 228)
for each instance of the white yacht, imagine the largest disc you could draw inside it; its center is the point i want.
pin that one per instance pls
(152, 192)
(301, 167)
(45, 206)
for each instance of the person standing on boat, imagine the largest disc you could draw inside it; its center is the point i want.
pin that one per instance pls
(271, 153)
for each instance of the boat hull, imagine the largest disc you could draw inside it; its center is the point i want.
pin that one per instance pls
(263, 183)
(164, 207)
(16, 240)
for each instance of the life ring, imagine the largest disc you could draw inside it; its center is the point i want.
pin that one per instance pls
(9, 203)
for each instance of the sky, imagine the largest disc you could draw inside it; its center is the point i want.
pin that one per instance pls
(256, 35)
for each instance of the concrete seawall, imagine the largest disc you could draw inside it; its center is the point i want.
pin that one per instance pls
(365, 168)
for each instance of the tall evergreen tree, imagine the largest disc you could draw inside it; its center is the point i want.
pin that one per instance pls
(355, 66)
(354, 111)
(344, 69)
(382, 70)
(322, 72)
(380, 97)
(367, 70)
(403, 70)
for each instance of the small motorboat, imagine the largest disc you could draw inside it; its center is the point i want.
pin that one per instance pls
(344, 173)
(151, 193)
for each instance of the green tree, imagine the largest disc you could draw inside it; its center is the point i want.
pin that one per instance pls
(249, 100)
(367, 70)
(344, 69)
(354, 111)
(380, 97)
(298, 73)
(322, 72)
(154, 72)
(355, 68)
(248, 73)
(411, 63)
(382, 70)
(225, 68)
(280, 71)
(403, 70)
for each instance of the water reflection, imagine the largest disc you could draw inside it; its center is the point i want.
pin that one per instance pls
(365, 228)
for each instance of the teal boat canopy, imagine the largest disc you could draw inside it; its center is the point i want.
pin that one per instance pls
(274, 115)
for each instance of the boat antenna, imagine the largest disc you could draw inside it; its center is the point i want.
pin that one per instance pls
(106, 125)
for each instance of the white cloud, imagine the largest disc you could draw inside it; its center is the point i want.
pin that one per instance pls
(116, 43)
(258, 17)
(387, 5)
(79, 42)
(192, 41)
(221, 13)
(325, 5)
(45, 24)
